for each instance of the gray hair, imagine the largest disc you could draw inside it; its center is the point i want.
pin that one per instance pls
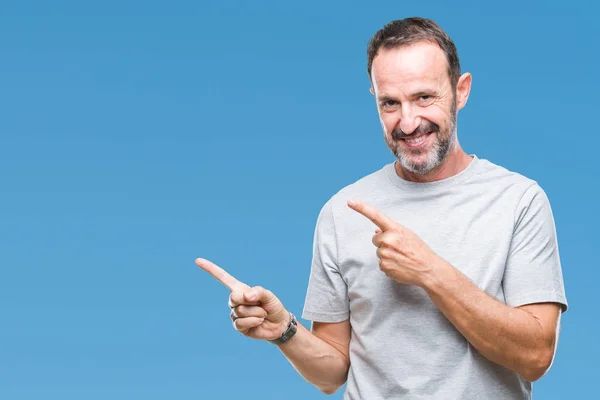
(410, 30)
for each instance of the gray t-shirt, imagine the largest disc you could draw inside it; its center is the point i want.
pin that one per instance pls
(493, 225)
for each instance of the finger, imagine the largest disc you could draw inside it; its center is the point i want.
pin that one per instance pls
(238, 298)
(377, 239)
(244, 311)
(267, 299)
(221, 275)
(382, 253)
(384, 237)
(242, 324)
(259, 294)
(378, 218)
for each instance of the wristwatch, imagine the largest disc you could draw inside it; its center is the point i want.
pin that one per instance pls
(289, 331)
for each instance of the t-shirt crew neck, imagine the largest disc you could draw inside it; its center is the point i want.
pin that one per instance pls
(420, 187)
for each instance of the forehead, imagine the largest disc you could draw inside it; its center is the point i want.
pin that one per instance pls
(420, 63)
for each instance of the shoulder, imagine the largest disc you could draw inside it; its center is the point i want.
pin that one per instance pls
(372, 185)
(336, 213)
(522, 191)
(500, 179)
(502, 176)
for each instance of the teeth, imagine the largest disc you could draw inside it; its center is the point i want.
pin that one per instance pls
(417, 140)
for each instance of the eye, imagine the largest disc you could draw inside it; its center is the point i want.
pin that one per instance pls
(389, 104)
(425, 100)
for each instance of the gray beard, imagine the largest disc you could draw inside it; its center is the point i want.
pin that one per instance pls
(437, 154)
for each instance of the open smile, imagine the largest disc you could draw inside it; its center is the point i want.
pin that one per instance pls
(418, 141)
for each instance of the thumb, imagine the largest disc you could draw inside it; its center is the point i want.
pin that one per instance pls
(268, 301)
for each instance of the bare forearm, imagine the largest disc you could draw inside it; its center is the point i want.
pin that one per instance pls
(316, 360)
(505, 335)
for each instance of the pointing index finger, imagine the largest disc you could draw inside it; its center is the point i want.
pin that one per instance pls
(378, 218)
(221, 275)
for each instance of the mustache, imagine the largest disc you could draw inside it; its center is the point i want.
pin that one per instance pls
(424, 127)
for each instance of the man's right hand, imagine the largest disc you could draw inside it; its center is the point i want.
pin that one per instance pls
(255, 312)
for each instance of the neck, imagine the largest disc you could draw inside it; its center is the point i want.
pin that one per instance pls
(456, 161)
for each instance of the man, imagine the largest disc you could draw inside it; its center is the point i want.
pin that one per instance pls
(436, 277)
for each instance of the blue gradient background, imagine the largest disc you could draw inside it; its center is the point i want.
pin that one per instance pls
(136, 136)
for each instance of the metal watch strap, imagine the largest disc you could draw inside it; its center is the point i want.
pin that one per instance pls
(289, 332)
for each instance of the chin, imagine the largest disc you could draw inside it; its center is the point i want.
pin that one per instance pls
(417, 165)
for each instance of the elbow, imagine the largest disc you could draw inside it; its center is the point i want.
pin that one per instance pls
(333, 386)
(330, 389)
(538, 365)
(532, 375)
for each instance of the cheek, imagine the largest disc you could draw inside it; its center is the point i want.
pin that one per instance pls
(389, 122)
(436, 115)
(441, 113)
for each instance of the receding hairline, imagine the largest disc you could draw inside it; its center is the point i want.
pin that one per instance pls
(400, 33)
(431, 43)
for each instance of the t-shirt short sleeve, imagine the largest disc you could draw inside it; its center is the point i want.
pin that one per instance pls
(327, 293)
(533, 270)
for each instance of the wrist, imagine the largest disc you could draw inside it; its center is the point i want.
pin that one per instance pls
(286, 322)
(288, 330)
(435, 276)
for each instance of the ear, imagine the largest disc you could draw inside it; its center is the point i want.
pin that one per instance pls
(463, 88)
(371, 90)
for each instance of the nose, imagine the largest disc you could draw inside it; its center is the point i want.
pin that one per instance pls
(409, 120)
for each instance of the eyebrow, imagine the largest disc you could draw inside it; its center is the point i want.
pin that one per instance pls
(419, 92)
(426, 92)
(386, 97)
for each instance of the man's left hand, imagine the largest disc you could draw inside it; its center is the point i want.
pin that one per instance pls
(403, 256)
